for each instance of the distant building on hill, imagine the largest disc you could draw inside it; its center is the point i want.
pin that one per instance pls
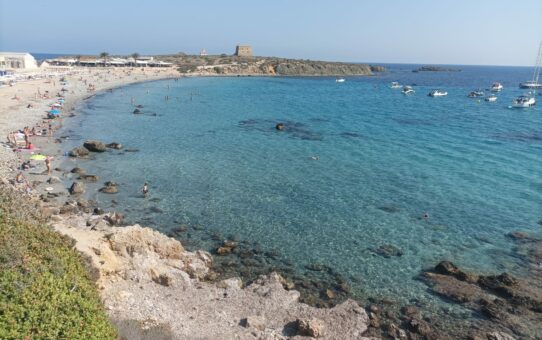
(243, 51)
(203, 53)
(17, 60)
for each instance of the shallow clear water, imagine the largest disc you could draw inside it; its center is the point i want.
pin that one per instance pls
(213, 158)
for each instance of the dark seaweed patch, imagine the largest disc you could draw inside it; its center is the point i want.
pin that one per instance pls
(296, 130)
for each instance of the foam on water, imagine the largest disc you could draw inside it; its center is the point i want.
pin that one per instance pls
(212, 156)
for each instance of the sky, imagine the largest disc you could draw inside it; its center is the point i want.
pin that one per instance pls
(478, 32)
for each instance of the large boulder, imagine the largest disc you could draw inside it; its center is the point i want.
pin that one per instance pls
(137, 240)
(77, 188)
(94, 146)
(78, 152)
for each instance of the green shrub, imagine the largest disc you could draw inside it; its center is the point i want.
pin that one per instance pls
(45, 289)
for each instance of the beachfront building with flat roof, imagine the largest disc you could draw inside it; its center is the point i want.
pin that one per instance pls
(90, 61)
(243, 51)
(203, 53)
(17, 61)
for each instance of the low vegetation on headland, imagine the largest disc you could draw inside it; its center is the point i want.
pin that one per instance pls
(45, 289)
(233, 65)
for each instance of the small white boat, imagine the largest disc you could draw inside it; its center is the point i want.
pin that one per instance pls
(340, 80)
(524, 101)
(408, 90)
(437, 93)
(395, 85)
(496, 87)
(491, 98)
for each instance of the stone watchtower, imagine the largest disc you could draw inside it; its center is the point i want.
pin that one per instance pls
(243, 51)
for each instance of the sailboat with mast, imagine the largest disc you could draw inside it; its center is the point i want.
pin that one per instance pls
(529, 100)
(534, 84)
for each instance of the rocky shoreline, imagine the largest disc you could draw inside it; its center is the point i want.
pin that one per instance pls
(154, 289)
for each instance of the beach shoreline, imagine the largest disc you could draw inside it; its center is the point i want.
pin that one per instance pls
(90, 227)
(126, 282)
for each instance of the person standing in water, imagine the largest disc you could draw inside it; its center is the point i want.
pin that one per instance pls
(145, 189)
(48, 164)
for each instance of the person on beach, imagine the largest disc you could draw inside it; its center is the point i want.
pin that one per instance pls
(145, 189)
(48, 164)
(19, 178)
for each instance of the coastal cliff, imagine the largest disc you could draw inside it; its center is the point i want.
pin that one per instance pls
(266, 66)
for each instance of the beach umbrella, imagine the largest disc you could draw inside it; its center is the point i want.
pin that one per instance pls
(38, 157)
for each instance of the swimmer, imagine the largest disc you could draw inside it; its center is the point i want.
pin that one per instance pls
(426, 215)
(315, 158)
(145, 189)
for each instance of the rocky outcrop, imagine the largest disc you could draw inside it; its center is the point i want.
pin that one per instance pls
(109, 188)
(511, 304)
(429, 68)
(147, 278)
(77, 188)
(94, 146)
(78, 152)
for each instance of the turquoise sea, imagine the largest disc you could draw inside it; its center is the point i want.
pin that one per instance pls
(215, 162)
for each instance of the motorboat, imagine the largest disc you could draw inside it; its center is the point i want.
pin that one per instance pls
(408, 90)
(496, 87)
(491, 98)
(524, 101)
(534, 84)
(395, 85)
(437, 93)
(476, 94)
(340, 80)
(531, 84)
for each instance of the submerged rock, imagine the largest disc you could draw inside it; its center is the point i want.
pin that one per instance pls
(94, 146)
(90, 178)
(109, 188)
(388, 250)
(114, 145)
(78, 171)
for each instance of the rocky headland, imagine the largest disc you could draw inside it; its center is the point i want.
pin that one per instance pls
(266, 66)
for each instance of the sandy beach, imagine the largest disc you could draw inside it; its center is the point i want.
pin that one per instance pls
(41, 94)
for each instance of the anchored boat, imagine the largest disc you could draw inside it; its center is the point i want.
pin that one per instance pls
(524, 102)
(437, 93)
(534, 84)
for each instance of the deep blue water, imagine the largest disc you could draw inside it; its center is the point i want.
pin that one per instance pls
(213, 158)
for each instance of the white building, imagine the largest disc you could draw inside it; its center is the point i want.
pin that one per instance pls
(203, 53)
(15, 60)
